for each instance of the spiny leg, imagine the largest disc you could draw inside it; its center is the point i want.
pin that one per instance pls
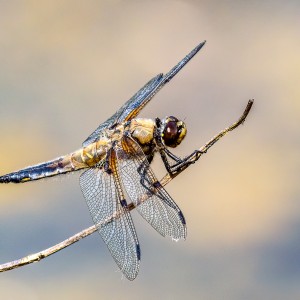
(181, 164)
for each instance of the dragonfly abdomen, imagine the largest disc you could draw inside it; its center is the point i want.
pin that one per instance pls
(89, 156)
(82, 158)
(47, 169)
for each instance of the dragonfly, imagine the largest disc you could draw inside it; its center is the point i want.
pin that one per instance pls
(115, 160)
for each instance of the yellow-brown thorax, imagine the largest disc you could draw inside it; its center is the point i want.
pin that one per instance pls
(142, 130)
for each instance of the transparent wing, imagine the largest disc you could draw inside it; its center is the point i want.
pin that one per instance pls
(118, 233)
(134, 105)
(139, 180)
(129, 106)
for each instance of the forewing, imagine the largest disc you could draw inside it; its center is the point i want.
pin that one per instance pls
(131, 105)
(118, 231)
(160, 211)
(134, 105)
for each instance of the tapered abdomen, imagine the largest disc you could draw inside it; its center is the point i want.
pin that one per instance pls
(47, 169)
(80, 159)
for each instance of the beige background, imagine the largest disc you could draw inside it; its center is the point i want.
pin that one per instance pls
(66, 66)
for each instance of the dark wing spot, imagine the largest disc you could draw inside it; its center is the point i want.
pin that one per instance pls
(157, 185)
(138, 251)
(182, 218)
(123, 203)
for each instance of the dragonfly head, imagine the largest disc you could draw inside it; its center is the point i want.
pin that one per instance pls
(172, 131)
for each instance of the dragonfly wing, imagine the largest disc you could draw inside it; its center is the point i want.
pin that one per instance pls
(93, 137)
(135, 107)
(103, 200)
(125, 109)
(136, 103)
(139, 181)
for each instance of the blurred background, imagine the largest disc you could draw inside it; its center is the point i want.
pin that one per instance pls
(66, 66)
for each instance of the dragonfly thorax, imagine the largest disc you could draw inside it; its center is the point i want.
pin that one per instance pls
(172, 131)
(142, 130)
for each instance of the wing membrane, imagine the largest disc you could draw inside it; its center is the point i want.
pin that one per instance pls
(103, 200)
(160, 211)
(134, 105)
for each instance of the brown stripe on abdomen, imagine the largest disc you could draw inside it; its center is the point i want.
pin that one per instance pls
(54, 167)
(80, 159)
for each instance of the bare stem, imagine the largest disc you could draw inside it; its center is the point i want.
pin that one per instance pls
(164, 181)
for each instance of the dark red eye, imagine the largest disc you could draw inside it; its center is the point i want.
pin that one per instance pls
(173, 131)
(170, 133)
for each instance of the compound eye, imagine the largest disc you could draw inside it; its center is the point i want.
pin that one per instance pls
(174, 131)
(170, 133)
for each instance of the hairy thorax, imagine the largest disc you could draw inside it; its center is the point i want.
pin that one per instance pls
(142, 130)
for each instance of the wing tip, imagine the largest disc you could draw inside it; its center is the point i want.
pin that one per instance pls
(183, 62)
(195, 50)
(201, 44)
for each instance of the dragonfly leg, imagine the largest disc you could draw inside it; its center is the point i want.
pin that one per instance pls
(149, 184)
(142, 170)
(106, 164)
(180, 163)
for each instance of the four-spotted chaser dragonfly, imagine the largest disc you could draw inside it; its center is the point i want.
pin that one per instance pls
(116, 161)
